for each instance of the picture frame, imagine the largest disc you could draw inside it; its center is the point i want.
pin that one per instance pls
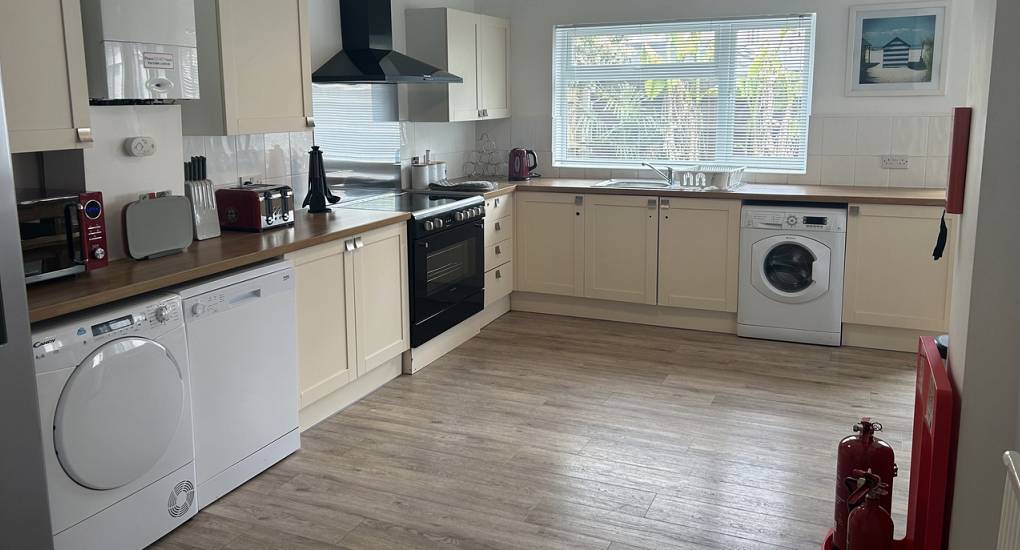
(897, 49)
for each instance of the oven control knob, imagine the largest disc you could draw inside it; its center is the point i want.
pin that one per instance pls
(460, 216)
(429, 226)
(98, 252)
(439, 223)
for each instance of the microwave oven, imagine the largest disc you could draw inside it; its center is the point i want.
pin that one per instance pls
(62, 235)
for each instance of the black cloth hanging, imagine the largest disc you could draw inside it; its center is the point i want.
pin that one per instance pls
(940, 243)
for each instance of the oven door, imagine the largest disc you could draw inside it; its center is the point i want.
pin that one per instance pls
(50, 239)
(447, 279)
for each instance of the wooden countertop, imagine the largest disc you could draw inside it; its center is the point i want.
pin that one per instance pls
(127, 278)
(748, 191)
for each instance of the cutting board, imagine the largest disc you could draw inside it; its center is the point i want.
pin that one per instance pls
(158, 227)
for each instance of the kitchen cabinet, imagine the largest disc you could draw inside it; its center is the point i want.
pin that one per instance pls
(890, 278)
(42, 56)
(621, 247)
(499, 248)
(550, 243)
(699, 253)
(381, 296)
(255, 68)
(472, 46)
(352, 311)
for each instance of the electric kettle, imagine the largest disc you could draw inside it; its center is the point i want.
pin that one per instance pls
(522, 162)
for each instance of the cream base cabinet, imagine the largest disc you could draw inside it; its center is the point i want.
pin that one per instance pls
(324, 282)
(549, 240)
(621, 245)
(472, 46)
(699, 253)
(42, 56)
(891, 279)
(352, 313)
(381, 296)
(255, 68)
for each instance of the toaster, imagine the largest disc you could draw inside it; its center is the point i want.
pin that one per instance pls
(255, 207)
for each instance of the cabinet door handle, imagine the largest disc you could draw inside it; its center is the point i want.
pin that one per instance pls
(349, 245)
(578, 200)
(496, 202)
(498, 251)
(855, 211)
(498, 228)
(358, 243)
(664, 204)
(652, 203)
(310, 121)
(84, 135)
(498, 274)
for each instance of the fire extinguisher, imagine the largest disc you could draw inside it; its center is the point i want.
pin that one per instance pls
(865, 452)
(869, 527)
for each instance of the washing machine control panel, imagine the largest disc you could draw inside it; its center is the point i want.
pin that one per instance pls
(834, 221)
(81, 333)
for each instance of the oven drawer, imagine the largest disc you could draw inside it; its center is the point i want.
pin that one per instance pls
(499, 282)
(499, 254)
(498, 230)
(499, 207)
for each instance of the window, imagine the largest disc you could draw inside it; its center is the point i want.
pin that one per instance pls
(724, 92)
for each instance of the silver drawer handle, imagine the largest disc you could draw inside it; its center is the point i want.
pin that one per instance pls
(358, 243)
(498, 228)
(855, 211)
(498, 274)
(84, 135)
(498, 251)
(310, 121)
(349, 245)
(578, 200)
(664, 204)
(651, 203)
(497, 203)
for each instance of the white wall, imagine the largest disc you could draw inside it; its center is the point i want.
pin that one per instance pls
(122, 178)
(986, 298)
(856, 163)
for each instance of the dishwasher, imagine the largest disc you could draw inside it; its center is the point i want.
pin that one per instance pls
(242, 347)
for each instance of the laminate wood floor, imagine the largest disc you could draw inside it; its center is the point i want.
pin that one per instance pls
(552, 432)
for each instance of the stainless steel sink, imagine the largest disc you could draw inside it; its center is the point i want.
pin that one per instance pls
(635, 184)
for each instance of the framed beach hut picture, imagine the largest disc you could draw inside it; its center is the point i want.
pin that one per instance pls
(897, 49)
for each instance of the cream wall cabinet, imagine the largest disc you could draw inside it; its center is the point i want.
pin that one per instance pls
(699, 253)
(254, 67)
(550, 243)
(891, 280)
(42, 56)
(472, 46)
(621, 248)
(352, 311)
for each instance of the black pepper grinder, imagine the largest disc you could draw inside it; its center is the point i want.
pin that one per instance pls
(315, 200)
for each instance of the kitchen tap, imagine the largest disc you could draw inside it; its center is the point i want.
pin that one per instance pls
(668, 175)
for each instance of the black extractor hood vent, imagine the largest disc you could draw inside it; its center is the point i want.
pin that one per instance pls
(367, 55)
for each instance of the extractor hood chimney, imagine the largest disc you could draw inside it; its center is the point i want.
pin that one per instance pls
(368, 56)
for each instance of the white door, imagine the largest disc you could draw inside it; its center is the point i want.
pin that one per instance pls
(381, 296)
(118, 413)
(550, 243)
(791, 269)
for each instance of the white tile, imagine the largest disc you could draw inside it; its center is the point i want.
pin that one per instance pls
(752, 177)
(523, 132)
(194, 146)
(910, 135)
(623, 174)
(597, 173)
(251, 156)
(277, 155)
(572, 173)
(936, 172)
(911, 177)
(868, 172)
(545, 166)
(815, 130)
(874, 136)
(299, 182)
(407, 144)
(938, 136)
(812, 176)
(839, 136)
(497, 130)
(837, 170)
(300, 145)
(221, 159)
(544, 129)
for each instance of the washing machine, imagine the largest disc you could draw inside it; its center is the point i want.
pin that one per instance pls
(791, 273)
(115, 404)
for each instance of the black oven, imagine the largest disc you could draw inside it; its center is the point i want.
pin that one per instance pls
(447, 266)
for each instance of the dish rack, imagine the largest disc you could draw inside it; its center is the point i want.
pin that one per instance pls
(712, 175)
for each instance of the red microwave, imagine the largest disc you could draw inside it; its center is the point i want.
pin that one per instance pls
(62, 235)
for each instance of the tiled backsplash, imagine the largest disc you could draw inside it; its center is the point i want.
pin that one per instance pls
(451, 142)
(842, 150)
(273, 158)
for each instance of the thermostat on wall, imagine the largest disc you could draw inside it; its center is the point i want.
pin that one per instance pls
(140, 146)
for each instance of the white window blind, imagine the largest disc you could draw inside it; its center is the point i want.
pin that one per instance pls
(733, 92)
(357, 122)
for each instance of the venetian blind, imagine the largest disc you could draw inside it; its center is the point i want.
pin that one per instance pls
(734, 92)
(357, 122)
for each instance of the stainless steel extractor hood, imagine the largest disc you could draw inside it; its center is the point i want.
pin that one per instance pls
(368, 56)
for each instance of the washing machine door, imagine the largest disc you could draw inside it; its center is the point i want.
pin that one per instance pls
(118, 413)
(792, 269)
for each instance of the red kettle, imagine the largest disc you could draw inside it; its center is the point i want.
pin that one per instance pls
(522, 162)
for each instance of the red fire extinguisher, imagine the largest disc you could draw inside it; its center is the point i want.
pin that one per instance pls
(869, 527)
(865, 452)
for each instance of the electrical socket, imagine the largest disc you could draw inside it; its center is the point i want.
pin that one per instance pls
(895, 163)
